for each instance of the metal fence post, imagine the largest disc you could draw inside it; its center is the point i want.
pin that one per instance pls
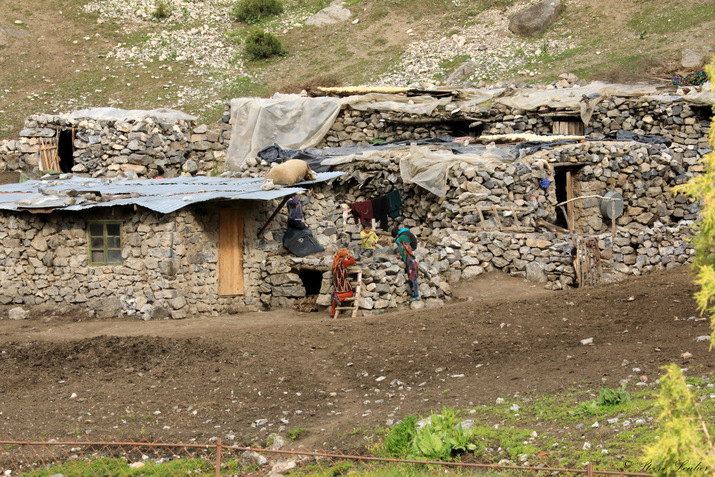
(219, 450)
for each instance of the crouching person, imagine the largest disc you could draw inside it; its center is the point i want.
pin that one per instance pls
(404, 248)
(341, 285)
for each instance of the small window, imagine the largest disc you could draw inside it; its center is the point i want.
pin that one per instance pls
(105, 243)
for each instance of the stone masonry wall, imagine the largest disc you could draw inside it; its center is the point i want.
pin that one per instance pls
(651, 233)
(169, 269)
(105, 148)
(678, 121)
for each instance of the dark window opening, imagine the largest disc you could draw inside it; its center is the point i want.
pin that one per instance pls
(65, 150)
(312, 281)
(702, 113)
(463, 128)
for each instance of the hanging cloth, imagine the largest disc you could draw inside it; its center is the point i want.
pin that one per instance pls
(380, 208)
(395, 203)
(362, 211)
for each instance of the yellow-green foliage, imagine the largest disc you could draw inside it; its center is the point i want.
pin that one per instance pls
(703, 188)
(684, 446)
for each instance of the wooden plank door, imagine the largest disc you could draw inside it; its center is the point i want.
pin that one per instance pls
(230, 252)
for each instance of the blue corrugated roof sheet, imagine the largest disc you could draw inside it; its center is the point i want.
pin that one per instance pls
(160, 195)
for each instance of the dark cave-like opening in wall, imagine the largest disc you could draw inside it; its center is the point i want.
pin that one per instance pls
(312, 281)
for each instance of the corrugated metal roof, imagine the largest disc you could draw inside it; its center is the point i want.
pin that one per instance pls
(160, 195)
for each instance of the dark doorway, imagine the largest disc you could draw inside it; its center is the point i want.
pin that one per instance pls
(312, 281)
(564, 184)
(65, 150)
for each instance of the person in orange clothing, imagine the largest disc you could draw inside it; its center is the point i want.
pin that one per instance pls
(341, 285)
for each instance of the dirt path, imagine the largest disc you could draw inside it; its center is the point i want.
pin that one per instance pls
(217, 376)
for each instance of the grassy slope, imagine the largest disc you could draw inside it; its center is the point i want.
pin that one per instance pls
(55, 60)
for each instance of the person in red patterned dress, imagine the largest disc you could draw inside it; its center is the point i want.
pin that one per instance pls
(341, 285)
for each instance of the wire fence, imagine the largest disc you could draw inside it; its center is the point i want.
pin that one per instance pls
(54, 458)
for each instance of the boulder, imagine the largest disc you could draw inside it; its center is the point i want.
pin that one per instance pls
(329, 15)
(536, 18)
(17, 313)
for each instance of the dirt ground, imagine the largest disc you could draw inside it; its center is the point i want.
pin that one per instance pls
(244, 376)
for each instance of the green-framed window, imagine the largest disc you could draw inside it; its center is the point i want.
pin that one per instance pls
(105, 242)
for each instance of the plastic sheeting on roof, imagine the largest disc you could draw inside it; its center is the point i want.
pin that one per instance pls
(116, 114)
(572, 99)
(297, 122)
(428, 165)
(160, 195)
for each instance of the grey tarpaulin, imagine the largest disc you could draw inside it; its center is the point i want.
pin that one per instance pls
(297, 122)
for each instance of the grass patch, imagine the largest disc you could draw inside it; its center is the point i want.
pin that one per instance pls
(663, 19)
(295, 433)
(452, 64)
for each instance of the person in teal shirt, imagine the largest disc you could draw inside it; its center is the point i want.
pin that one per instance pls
(404, 248)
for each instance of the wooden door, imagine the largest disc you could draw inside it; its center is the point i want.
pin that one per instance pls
(570, 205)
(230, 252)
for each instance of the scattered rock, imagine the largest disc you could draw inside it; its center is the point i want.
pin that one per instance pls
(536, 18)
(18, 313)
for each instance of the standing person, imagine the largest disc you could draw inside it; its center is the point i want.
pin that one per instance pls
(295, 211)
(341, 285)
(402, 240)
(368, 240)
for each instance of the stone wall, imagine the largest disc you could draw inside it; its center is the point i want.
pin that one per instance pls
(679, 121)
(169, 269)
(147, 148)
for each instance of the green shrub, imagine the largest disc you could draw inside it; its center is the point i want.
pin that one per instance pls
(261, 45)
(163, 10)
(613, 397)
(295, 433)
(253, 11)
(398, 442)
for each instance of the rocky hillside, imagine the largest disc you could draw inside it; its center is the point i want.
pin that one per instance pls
(64, 55)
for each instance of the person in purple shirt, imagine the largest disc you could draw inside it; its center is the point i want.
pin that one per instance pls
(295, 211)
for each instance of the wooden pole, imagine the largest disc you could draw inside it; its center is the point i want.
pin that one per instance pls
(270, 219)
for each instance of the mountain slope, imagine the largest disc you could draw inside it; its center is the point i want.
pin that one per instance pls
(63, 55)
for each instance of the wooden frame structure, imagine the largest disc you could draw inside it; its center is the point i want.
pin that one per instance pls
(49, 156)
(355, 299)
(587, 262)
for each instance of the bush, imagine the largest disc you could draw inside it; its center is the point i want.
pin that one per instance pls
(398, 442)
(253, 11)
(163, 10)
(261, 45)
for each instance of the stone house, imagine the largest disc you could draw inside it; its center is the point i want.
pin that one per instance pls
(494, 195)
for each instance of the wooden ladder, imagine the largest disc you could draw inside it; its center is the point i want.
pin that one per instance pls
(356, 283)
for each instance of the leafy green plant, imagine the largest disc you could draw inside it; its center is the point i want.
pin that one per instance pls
(295, 433)
(398, 441)
(613, 397)
(253, 11)
(441, 439)
(261, 45)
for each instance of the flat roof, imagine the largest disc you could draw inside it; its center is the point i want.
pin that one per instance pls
(160, 195)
